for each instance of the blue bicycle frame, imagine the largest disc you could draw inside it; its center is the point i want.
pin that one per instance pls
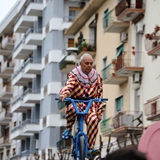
(76, 153)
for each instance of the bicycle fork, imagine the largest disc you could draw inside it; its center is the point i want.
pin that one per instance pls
(80, 139)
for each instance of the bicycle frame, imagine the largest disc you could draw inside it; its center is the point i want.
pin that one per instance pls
(81, 119)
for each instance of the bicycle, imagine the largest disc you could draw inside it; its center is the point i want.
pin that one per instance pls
(80, 140)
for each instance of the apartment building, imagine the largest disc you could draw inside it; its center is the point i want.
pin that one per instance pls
(126, 60)
(32, 45)
(34, 66)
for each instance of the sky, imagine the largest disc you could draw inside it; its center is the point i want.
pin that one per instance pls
(5, 6)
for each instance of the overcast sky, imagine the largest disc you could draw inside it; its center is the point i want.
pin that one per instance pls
(5, 6)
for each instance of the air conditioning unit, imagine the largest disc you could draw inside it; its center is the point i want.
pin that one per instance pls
(136, 77)
(124, 37)
(139, 28)
(126, 120)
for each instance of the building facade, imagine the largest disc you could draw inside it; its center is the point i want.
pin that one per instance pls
(34, 66)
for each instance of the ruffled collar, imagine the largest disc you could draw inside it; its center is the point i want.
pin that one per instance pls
(87, 80)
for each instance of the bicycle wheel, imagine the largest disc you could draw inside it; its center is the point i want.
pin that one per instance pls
(81, 147)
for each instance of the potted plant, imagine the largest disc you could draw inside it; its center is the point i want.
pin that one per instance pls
(84, 46)
(114, 61)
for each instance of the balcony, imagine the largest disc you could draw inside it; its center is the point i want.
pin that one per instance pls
(26, 154)
(32, 96)
(31, 126)
(18, 134)
(64, 145)
(24, 22)
(88, 46)
(7, 67)
(5, 52)
(129, 11)
(6, 93)
(22, 79)
(115, 26)
(109, 76)
(19, 106)
(34, 37)
(6, 70)
(4, 142)
(122, 124)
(125, 66)
(152, 45)
(8, 43)
(22, 50)
(34, 9)
(33, 66)
(5, 117)
(67, 64)
(152, 109)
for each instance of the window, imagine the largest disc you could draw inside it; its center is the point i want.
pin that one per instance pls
(119, 104)
(104, 63)
(137, 99)
(73, 13)
(119, 50)
(70, 42)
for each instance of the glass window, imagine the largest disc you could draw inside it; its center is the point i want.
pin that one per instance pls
(119, 104)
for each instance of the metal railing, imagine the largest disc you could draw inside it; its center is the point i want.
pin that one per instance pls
(30, 121)
(33, 30)
(130, 119)
(124, 60)
(69, 18)
(5, 113)
(16, 128)
(17, 99)
(107, 72)
(32, 90)
(63, 63)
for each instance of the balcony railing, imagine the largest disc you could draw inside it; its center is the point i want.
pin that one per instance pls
(64, 62)
(152, 109)
(106, 125)
(7, 64)
(4, 113)
(29, 60)
(28, 152)
(32, 30)
(17, 99)
(6, 88)
(69, 18)
(107, 72)
(30, 121)
(86, 45)
(64, 144)
(61, 105)
(16, 128)
(32, 90)
(123, 121)
(4, 140)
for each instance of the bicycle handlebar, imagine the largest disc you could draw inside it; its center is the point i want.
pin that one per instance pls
(85, 100)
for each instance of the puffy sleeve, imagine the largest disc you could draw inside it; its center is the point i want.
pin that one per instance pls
(100, 95)
(69, 86)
